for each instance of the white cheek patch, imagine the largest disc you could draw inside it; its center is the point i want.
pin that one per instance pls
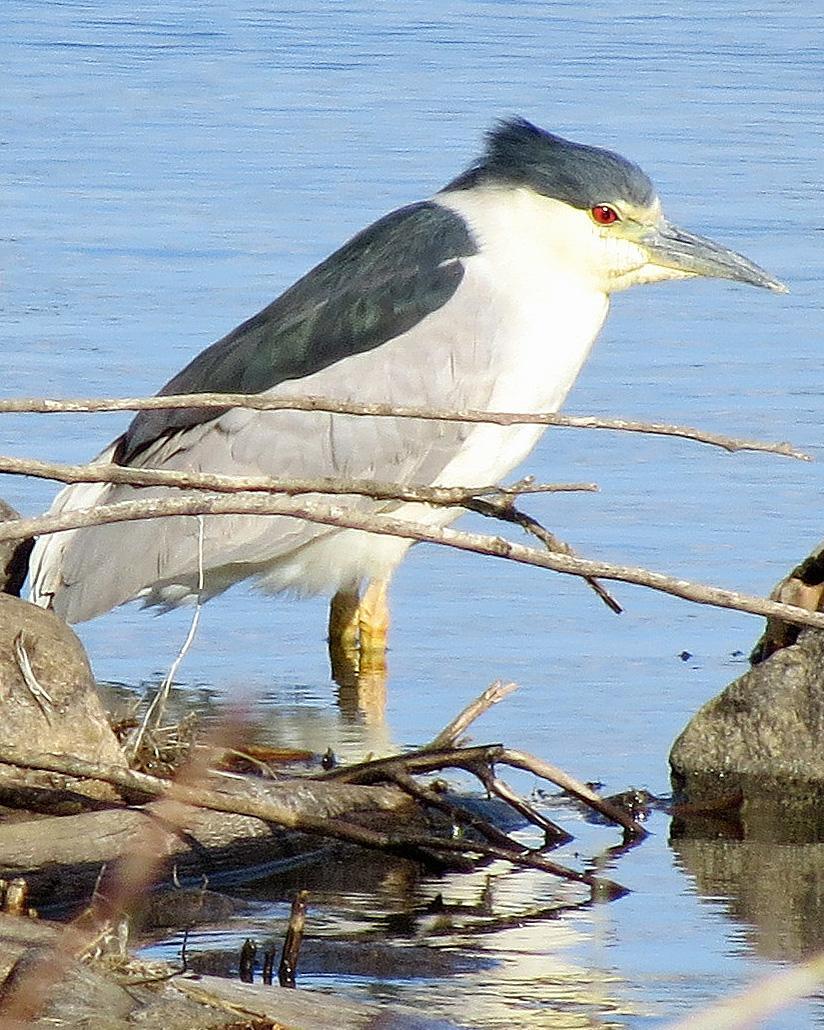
(622, 257)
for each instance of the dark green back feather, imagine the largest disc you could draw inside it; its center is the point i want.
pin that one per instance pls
(377, 286)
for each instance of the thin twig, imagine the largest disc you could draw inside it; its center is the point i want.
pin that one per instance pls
(155, 710)
(495, 785)
(492, 501)
(507, 512)
(42, 698)
(263, 402)
(334, 515)
(472, 758)
(537, 766)
(458, 815)
(450, 735)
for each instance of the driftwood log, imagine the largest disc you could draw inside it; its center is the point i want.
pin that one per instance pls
(61, 857)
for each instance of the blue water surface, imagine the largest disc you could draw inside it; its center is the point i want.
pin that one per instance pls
(167, 169)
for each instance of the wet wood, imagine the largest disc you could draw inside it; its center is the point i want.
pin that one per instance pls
(61, 856)
(287, 971)
(121, 995)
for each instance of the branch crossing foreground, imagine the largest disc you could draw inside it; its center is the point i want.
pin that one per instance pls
(269, 496)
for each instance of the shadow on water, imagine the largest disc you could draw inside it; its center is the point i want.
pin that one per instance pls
(486, 949)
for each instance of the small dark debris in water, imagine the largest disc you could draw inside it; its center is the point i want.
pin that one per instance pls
(436, 904)
(329, 761)
(685, 656)
(595, 785)
(636, 802)
(269, 965)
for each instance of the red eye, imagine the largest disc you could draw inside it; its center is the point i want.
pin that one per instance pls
(603, 214)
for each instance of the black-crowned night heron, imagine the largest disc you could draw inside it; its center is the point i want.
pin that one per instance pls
(488, 296)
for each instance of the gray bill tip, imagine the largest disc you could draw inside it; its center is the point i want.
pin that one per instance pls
(777, 286)
(674, 247)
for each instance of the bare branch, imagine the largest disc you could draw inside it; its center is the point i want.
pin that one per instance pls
(537, 766)
(450, 735)
(492, 501)
(179, 792)
(505, 510)
(263, 402)
(103, 472)
(477, 543)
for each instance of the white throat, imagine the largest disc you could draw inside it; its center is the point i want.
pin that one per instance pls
(552, 307)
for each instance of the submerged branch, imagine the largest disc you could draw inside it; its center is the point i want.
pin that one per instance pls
(263, 402)
(424, 847)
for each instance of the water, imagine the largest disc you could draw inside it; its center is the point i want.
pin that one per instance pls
(167, 169)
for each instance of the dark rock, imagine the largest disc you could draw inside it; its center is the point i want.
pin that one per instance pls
(14, 556)
(803, 587)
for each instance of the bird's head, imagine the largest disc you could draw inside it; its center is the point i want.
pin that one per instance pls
(601, 212)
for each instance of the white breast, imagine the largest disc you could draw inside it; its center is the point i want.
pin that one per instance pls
(550, 316)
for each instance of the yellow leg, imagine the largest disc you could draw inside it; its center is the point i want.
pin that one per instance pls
(343, 636)
(373, 627)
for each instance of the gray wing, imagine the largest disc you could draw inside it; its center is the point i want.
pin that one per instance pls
(380, 321)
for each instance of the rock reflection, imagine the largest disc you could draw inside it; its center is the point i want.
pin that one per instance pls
(767, 869)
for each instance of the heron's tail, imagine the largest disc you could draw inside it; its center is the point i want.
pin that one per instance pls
(48, 585)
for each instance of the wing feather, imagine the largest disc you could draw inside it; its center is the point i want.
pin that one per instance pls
(381, 321)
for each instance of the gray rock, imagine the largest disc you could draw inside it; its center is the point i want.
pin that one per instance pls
(765, 727)
(48, 700)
